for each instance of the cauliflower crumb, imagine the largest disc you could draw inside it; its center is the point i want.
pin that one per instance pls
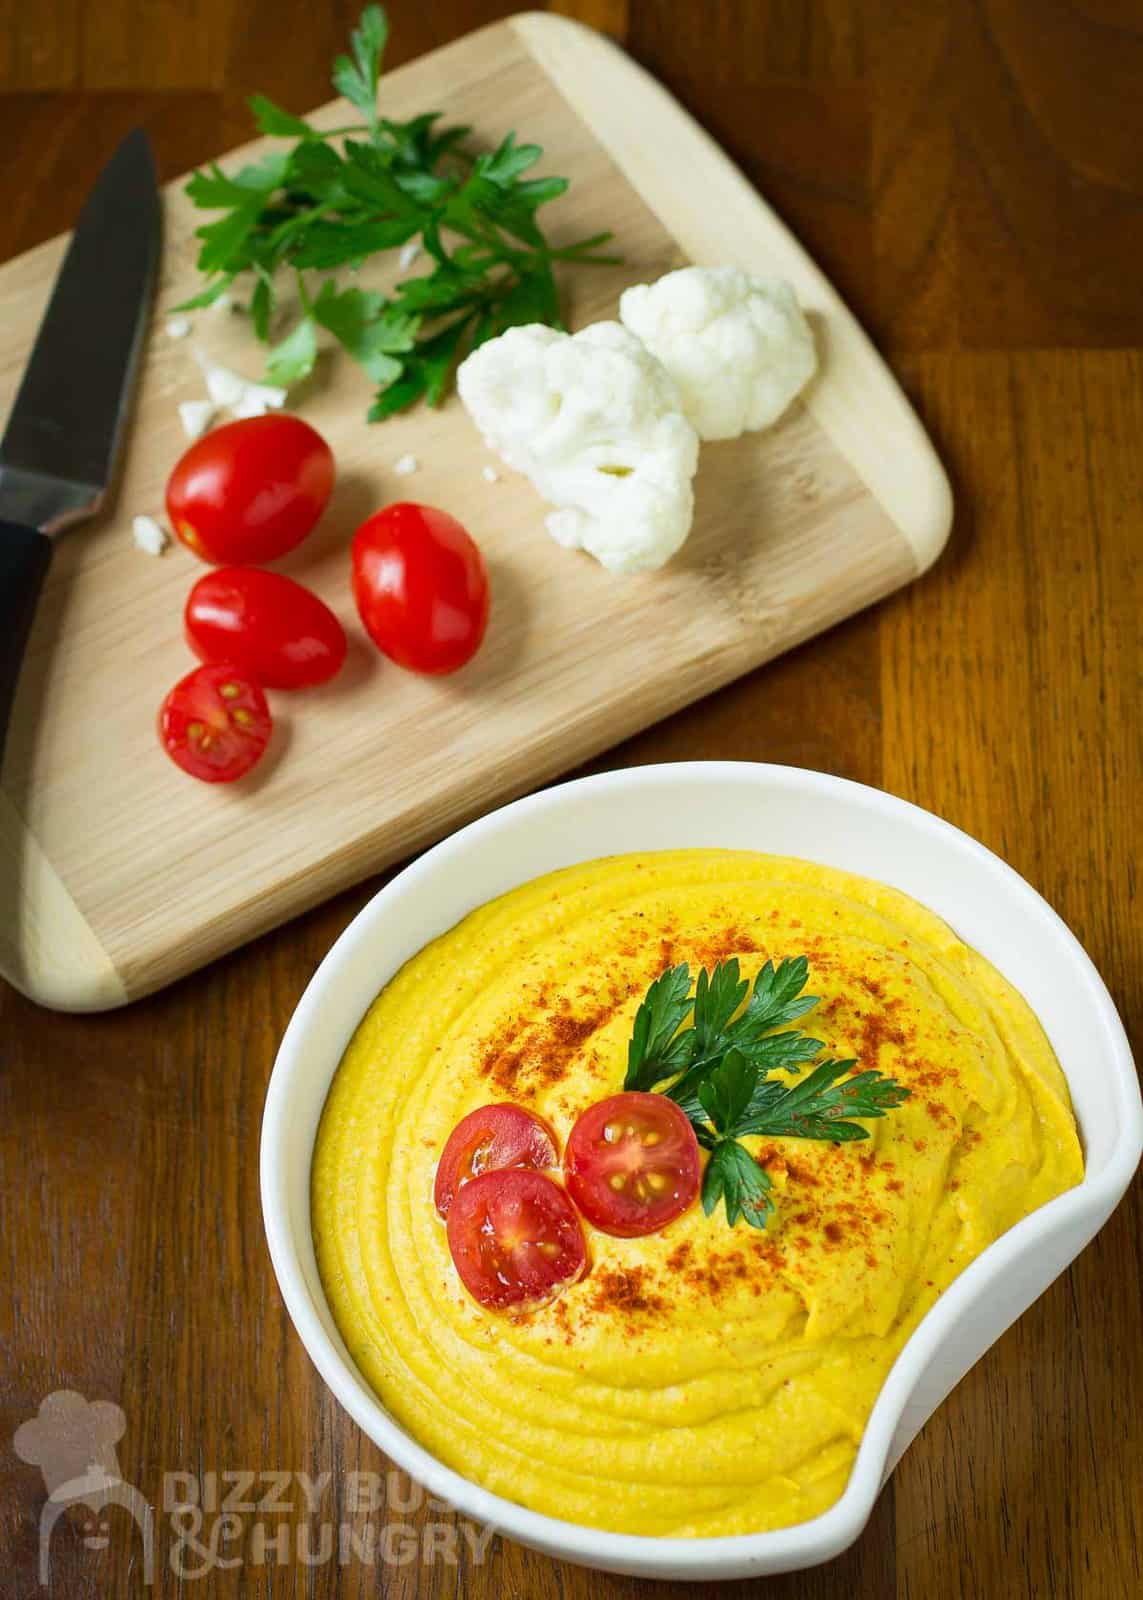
(149, 535)
(405, 465)
(594, 421)
(738, 347)
(178, 327)
(238, 394)
(257, 399)
(196, 417)
(490, 475)
(224, 387)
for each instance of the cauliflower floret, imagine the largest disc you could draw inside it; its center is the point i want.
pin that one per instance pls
(595, 422)
(738, 347)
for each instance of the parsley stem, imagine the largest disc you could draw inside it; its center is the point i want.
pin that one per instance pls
(292, 223)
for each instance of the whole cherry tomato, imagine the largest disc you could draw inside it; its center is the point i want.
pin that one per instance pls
(490, 1138)
(251, 490)
(273, 628)
(514, 1238)
(421, 587)
(632, 1163)
(215, 723)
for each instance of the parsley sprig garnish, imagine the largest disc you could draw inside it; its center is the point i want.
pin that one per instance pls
(320, 206)
(720, 1069)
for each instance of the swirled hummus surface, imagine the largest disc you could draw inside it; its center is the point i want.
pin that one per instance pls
(702, 1380)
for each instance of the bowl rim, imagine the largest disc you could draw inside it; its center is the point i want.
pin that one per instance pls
(802, 1544)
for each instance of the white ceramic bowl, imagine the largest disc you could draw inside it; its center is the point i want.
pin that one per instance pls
(790, 812)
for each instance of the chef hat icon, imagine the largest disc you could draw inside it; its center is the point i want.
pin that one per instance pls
(72, 1441)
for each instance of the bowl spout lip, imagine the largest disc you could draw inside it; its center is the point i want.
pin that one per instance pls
(1032, 1252)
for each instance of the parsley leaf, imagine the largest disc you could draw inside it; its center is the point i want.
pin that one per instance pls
(654, 1052)
(357, 79)
(262, 303)
(326, 245)
(727, 1091)
(775, 1000)
(733, 1176)
(424, 375)
(373, 334)
(271, 119)
(293, 358)
(206, 297)
(777, 997)
(718, 995)
(815, 1107)
(722, 1065)
(338, 197)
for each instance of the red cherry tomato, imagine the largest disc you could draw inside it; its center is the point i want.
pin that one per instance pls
(490, 1138)
(632, 1163)
(251, 490)
(270, 626)
(515, 1238)
(421, 587)
(215, 723)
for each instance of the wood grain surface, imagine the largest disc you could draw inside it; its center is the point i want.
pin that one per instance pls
(970, 174)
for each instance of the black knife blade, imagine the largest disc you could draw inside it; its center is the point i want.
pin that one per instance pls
(59, 449)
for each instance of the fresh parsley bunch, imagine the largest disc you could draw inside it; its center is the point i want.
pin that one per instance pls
(719, 1070)
(320, 206)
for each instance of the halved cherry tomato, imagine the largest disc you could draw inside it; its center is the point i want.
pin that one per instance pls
(632, 1163)
(421, 587)
(251, 490)
(490, 1138)
(270, 626)
(515, 1238)
(215, 723)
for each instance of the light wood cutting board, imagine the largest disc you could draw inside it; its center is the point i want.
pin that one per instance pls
(118, 873)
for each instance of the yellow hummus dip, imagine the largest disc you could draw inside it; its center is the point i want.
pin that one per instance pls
(701, 1380)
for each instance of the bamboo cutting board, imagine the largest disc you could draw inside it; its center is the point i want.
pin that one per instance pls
(118, 873)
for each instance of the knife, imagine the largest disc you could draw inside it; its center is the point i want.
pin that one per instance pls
(58, 453)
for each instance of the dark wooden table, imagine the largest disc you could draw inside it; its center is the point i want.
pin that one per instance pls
(970, 173)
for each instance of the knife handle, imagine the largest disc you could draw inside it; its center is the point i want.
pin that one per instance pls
(25, 555)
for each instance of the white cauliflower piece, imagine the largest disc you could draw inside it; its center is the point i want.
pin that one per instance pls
(738, 347)
(230, 390)
(594, 421)
(196, 416)
(149, 535)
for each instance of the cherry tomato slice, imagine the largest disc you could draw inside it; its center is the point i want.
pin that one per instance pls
(421, 587)
(490, 1138)
(273, 628)
(632, 1163)
(251, 490)
(515, 1238)
(215, 723)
